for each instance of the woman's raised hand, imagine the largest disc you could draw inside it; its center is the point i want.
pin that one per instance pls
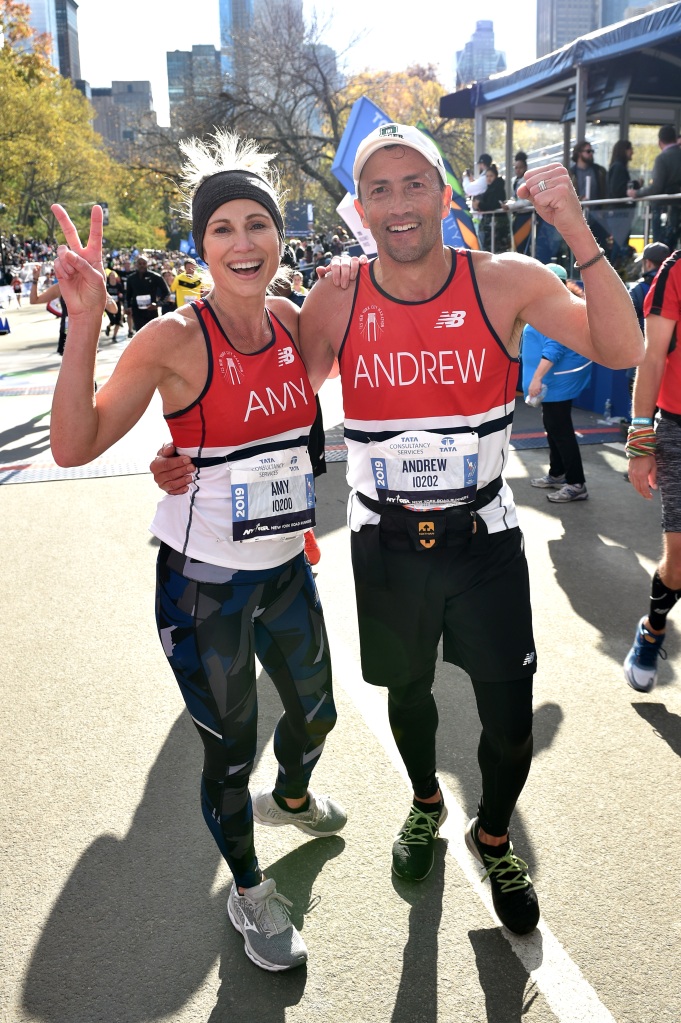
(79, 268)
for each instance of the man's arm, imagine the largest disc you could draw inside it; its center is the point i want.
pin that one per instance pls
(659, 330)
(476, 186)
(324, 318)
(660, 179)
(604, 328)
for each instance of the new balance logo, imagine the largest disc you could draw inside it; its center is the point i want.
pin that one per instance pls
(453, 319)
(286, 356)
(529, 659)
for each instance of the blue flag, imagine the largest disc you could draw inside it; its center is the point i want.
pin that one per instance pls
(364, 117)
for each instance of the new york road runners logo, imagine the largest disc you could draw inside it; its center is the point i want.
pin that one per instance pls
(230, 367)
(371, 323)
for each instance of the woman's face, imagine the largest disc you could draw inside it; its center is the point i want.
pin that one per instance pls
(241, 245)
(491, 177)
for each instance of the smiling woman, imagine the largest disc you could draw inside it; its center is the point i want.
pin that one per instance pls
(232, 578)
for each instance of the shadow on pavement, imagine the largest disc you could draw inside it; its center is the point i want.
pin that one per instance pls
(665, 724)
(503, 978)
(417, 995)
(36, 436)
(140, 922)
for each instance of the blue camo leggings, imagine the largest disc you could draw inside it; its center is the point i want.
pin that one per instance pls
(212, 622)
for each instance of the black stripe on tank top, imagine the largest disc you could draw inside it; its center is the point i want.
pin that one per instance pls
(659, 285)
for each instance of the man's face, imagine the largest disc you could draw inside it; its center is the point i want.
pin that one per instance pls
(586, 154)
(189, 267)
(141, 265)
(402, 203)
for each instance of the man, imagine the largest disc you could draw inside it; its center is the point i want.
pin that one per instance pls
(427, 342)
(590, 182)
(654, 452)
(589, 178)
(666, 181)
(144, 291)
(187, 286)
(654, 256)
(476, 186)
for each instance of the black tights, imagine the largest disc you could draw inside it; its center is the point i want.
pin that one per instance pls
(504, 750)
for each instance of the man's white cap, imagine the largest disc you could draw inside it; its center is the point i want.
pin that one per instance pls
(397, 135)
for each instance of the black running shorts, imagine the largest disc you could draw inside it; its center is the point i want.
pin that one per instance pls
(475, 596)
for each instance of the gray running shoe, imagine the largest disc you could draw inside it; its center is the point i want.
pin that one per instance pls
(548, 481)
(570, 492)
(322, 818)
(261, 916)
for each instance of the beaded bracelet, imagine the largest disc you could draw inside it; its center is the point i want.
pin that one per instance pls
(585, 266)
(640, 442)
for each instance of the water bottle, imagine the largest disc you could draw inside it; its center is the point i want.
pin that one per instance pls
(607, 413)
(538, 399)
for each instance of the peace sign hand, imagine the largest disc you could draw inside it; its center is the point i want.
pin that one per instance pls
(79, 269)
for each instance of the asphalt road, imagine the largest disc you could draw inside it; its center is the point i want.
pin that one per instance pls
(113, 893)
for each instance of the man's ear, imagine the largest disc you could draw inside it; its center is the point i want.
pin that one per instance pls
(446, 201)
(360, 210)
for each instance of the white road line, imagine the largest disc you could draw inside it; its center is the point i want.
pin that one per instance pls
(562, 983)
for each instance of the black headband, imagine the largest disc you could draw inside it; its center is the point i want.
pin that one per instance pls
(224, 187)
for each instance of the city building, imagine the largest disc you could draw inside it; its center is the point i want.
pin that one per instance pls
(559, 23)
(193, 77)
(67, 39)
(479, 59)
(121, 113)
(43, 19)
(238, 16)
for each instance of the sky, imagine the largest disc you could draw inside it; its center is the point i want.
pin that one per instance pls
(131, 44)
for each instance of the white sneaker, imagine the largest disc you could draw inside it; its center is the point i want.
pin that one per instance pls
(569, 492)
(322, 818)
(261, 916)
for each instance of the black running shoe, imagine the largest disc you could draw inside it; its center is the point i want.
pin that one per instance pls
(513, 894)
(414, 847)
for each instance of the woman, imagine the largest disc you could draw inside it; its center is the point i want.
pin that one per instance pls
(618, 171)
(169, 303)
(116, 291)
(232, 578)
(619, 180)
(492, 199)
(564, 374)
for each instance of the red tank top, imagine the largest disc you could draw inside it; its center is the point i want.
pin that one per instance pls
(246, 398)
(664, 299)
(434, 366)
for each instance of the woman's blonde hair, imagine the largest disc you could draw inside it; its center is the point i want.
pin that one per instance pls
(227, 151)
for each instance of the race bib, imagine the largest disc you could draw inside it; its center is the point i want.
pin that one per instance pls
(143, 301)
(272, 495)
(424, 471)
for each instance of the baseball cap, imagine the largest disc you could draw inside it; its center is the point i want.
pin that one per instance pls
(558, 270)
(486, 159)
(397, 135)
(656, 252)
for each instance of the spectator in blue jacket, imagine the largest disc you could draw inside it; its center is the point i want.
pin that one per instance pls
(564, 374)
